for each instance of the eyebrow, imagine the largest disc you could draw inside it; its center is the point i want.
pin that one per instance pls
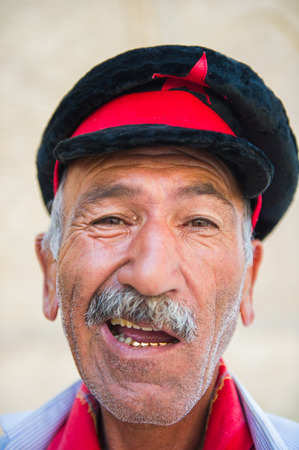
(100, 192)
(201, 189)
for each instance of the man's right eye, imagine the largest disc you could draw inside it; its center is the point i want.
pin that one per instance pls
(109, 220)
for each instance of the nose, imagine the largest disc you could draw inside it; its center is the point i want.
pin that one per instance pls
(153, 263)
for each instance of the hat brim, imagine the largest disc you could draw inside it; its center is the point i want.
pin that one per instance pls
(250, 166)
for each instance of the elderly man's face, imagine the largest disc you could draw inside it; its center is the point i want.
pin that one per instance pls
(161, 221)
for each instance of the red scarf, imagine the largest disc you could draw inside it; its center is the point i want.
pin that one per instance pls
(80, 429)
(226, 426)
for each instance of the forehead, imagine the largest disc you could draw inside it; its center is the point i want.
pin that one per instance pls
(141, 166)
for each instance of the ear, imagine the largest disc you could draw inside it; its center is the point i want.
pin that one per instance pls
(246, 309)
(49, 269)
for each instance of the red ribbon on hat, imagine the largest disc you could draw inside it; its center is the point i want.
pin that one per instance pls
(195, 80)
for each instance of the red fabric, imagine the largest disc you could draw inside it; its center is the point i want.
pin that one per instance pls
(256, 212)
(79, 431)
(227, 428)
(195, 80)
(174, 108)
(56, 178)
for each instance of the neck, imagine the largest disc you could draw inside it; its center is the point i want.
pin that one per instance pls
(187, 434)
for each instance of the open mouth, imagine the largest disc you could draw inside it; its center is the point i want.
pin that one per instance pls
(139, 336)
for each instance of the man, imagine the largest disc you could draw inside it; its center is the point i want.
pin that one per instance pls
(163, 169)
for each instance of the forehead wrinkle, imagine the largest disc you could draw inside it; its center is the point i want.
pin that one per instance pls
(102, 192)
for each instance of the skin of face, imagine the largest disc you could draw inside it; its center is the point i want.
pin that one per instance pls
(169, 222)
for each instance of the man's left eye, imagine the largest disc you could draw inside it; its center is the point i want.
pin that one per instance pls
(201, 223)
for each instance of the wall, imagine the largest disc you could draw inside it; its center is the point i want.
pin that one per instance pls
(45, 48)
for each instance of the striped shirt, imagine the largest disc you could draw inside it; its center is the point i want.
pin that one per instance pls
(35, 430)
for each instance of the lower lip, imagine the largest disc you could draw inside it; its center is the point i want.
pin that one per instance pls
(124, 350)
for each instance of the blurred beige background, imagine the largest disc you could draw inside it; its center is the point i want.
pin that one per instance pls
(45, 47)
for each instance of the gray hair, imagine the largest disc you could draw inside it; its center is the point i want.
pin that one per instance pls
(247, 232)
(53, 238)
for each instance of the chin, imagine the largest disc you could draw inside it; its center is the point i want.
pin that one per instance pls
(145, 403)
(153, 412)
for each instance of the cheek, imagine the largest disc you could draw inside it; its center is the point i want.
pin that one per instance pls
(211, 270)
(229, 277)
(89, 263)
(216, 279)
(230, 267)
(227, 263)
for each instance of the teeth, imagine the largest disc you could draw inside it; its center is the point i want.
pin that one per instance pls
(129, 341)
(126, 323)
(114, 321)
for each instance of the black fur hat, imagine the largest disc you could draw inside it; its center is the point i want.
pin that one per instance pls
(260, 148)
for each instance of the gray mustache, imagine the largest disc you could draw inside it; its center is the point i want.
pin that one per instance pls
(158, 312)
